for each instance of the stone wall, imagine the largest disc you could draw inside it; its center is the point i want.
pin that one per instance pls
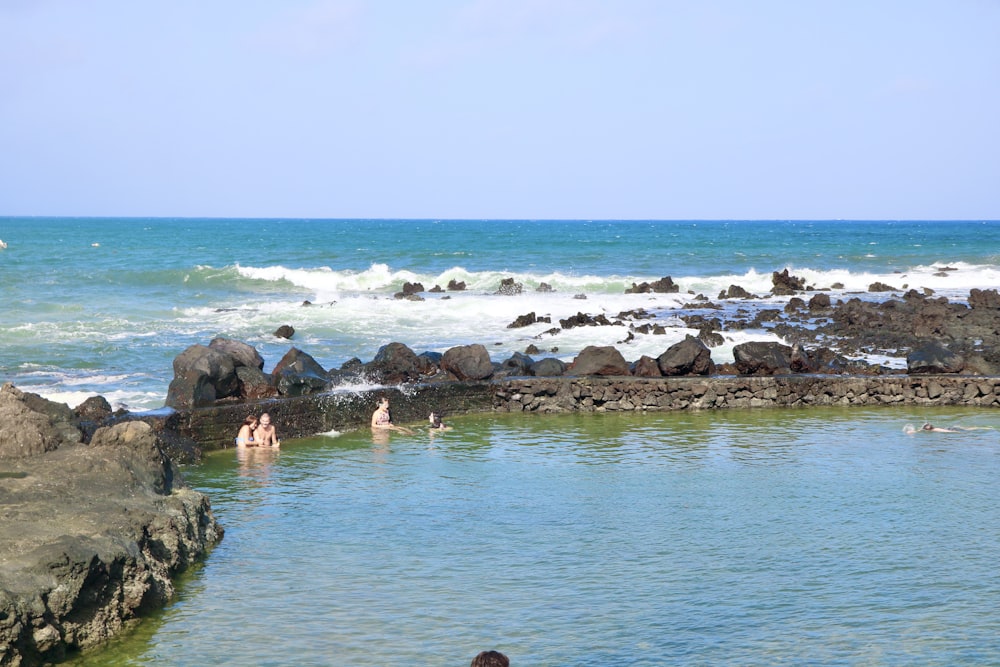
(303, 416)
(591, 394)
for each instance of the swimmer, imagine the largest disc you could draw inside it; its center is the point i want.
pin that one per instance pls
(266, 435)
(931, 428)
(382, 420)
(436, 423)
(245, 436)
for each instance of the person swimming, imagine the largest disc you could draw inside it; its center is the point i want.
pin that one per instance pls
(382, 420)
(245, 436)
(436, 423)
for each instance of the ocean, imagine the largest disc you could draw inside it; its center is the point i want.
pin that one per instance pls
(752, 537)
(102, 306)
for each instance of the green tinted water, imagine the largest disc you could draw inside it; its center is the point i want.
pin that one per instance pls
(741, 537)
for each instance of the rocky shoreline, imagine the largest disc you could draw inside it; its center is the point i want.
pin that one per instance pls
(93, 532)
(98, 521)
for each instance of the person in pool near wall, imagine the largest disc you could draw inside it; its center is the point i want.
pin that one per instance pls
(382, 420)
(436, 424)
(245, 436)
(266, 434)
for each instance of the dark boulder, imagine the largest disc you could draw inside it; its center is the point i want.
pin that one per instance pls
(189, 390)
(241, 353)
(784, 284)
(95, 409)
(762, 358)
(599, 360)
(527, 320)
(583, 320)
(468, 362)
(91, 414)
(664, 285)
(429, 363)
(285, 331)
(933, 358)
(202, 375)
(456, 285)
(517, 365)
(646, 367)
(881, 287)
(548, 367)
(254, 383)
(394, 363)
(819, 302)
(544, 287)
(298, 374)
(687, 357)
(735, 292)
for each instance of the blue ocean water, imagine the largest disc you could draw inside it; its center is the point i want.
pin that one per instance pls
(94, 305)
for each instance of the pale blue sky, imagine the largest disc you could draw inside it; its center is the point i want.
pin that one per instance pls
(500, 108)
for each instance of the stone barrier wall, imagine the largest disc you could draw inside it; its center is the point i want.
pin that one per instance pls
(303, 416)
(593, 394)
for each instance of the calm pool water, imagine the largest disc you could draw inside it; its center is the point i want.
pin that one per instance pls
(762, 537)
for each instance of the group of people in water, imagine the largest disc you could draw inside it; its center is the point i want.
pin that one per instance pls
(258, 432)
(382, 420)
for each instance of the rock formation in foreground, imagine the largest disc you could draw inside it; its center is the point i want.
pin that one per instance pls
(91, 534)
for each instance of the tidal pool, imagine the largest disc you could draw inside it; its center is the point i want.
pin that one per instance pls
(756, 537)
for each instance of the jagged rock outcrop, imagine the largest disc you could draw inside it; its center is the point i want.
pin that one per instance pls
(298, 373)
(687, 357)
(664, 285)
(91, 537)
(762, 358)
(782, 283)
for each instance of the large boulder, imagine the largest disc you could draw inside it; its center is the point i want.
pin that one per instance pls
(29, 426)
(762, 358)
(933, 358)
(254, 383)
(201, 376)
(599, 360)
(687, 357)
(468, 362)
(548, 367)
(191, 390)
(646, 367)
(241, 353)
(517, 365)
(393, 364)
(298, 374)
(784, 284)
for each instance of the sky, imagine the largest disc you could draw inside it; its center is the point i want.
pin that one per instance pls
(518, 109)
